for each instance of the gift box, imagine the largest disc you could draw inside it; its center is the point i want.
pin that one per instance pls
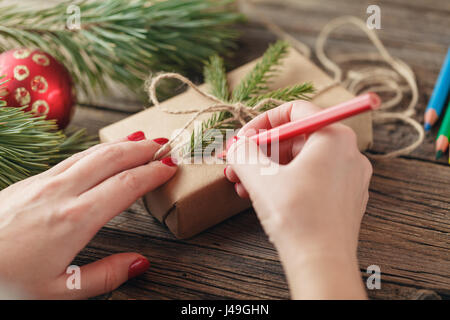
(199, 196)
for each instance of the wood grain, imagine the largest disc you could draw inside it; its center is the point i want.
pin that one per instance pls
(406, 228)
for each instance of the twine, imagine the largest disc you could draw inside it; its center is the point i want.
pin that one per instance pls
(377, 79)
(240, 112)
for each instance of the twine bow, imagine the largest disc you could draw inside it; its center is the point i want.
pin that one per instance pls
(240, 112)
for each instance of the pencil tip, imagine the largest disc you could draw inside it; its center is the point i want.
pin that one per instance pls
(438, 154)
(427, 126)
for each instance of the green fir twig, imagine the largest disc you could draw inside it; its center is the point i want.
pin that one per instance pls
(122, 40)
(256, 80)
(216, 77)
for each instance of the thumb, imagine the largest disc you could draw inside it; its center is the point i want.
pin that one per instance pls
(249, 163)
(103, 276)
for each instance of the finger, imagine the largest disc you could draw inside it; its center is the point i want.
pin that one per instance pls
(102, 276)
(268, 120)
(241, 191)
(300, 110)
(66, 164)
(117, 193)
(248, 163)
(230, 174)
(287, 112)
(107, 162)
(272, 118)
(332, 139)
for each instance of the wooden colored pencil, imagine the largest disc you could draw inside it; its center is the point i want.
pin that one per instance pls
(439, 95)
(362, 103)
(443, 136)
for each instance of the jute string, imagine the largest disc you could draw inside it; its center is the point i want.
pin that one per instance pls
(372, 78)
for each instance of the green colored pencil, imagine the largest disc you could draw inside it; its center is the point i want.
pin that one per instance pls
(443, 136)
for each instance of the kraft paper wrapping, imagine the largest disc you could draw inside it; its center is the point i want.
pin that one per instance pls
(199, 196)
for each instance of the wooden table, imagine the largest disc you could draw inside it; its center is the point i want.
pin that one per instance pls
(406, 227)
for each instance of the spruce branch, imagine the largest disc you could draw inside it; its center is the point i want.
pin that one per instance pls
(122, 40)
(216, 77)
(256, 81)
(295, 92)
(30, 145)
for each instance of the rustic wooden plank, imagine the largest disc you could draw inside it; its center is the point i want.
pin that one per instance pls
(407, 226)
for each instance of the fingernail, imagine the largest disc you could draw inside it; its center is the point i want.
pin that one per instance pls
(137, 136)
(225, 171)
(236, 188)
(169, 162)
(138, 267)
(161, 141)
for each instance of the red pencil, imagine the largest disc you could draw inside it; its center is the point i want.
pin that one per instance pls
(365, 102)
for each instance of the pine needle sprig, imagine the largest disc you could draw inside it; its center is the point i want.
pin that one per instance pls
(296, 92)
(122, 40)
(256, 81)
(250, 91)
(216, 77)
(30, 145)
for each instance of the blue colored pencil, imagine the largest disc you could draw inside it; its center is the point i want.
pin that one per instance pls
(439, 96)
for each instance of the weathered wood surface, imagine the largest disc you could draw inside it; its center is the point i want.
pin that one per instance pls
(405, 230)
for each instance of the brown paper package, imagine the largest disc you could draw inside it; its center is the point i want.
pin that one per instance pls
(199, 196)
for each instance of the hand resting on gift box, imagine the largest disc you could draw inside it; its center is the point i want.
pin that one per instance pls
(311, 209)
(47, 219)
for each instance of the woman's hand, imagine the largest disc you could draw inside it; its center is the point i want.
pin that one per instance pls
(47, 219)
(312, 207)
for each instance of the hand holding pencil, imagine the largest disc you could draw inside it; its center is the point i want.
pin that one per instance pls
(312, 208)
(363, 103)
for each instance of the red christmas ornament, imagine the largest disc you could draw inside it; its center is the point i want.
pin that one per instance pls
(38, 80)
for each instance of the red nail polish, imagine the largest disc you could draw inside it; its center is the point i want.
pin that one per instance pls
(169, 162)
(138, 267)
(137, 136)
(225, 171)
(161, 141)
